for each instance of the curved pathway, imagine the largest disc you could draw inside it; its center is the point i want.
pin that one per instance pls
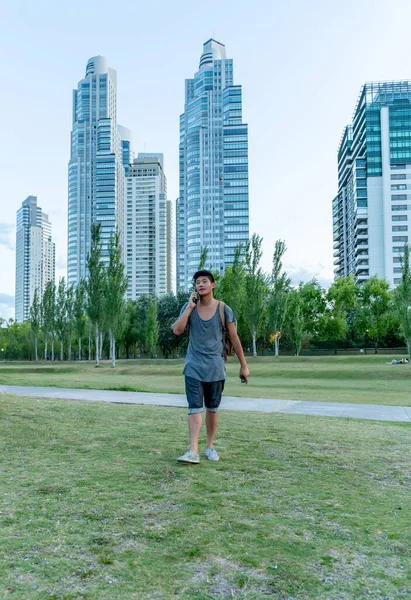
(373, 412)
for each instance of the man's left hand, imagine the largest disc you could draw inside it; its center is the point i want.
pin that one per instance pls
(245, 373)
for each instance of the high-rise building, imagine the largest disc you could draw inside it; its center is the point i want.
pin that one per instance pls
(212, 208)
(35, 256)
(96, 172)
(147, 227)
(373, 206)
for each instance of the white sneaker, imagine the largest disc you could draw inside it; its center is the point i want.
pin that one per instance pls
(211, 454)
(189, 457)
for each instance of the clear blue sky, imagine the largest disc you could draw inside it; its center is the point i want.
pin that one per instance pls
(301, 65)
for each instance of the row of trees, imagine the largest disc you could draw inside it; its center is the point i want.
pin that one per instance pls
(270, 311)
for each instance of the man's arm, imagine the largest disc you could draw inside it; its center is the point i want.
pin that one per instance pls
(238, 349)
(181, 323)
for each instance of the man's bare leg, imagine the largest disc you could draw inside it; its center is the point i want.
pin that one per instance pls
(195, 422)
(211, 424)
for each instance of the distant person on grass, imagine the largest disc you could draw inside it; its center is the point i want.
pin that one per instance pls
(204, 368)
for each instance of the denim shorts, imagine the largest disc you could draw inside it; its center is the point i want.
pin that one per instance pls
(200, 393)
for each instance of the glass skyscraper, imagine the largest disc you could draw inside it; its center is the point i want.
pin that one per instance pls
(35, 256)
(373, 205)
(96, 172)
(212, 208)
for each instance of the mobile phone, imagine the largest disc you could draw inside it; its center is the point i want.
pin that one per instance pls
(195, 299)
(243, 380)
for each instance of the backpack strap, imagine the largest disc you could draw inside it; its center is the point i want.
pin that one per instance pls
(221, 308)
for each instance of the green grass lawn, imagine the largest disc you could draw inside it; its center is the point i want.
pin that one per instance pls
(359, 379)
(94, 506)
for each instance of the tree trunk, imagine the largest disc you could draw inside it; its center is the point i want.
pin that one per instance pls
(79, 347)
(277, 346)
(101, 345)
(409, 350)
(89, 344)
(35, 347)
(52, 348)
(45, 349)
(127, 353)
(69, 347)
(61, 350)
(254, 344)
(113, 351)
(376, 347)
(97, 347)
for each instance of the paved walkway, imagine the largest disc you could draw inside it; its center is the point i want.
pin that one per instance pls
(373, 412)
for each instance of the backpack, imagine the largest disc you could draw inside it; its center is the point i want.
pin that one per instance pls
(227, 345)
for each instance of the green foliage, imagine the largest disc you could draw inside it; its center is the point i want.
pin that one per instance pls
(279, 288)
(115, 289)
(35, 321)
(79, 317)
(374, 315)
(402, 299)
(167, 312)
(152, 326)
(95, 286)
(295, 319)
(256, 290)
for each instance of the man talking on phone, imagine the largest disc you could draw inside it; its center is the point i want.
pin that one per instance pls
(204, 367)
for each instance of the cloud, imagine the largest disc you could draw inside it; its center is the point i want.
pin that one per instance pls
(6, 306)
(6, 300)
(7, 236)
(306, 273)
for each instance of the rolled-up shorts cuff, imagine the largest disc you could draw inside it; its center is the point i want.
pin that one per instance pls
(212, 409)
(194, 411)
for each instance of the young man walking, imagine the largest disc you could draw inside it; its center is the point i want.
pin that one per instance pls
(204, 368)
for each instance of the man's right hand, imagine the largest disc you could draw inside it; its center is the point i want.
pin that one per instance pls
(191, 303)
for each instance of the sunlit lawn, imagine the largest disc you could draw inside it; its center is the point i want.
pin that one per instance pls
(94, 506)
(359, 379)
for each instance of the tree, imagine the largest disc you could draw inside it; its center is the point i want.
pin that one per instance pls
(61, 315)
(79, 318)
(48, 318)
(278, 296)
(167, 313)
(232, 285)
(402, 299)
(142, 314)
(374, 315)
(152, 330)
(35, 321)
(255, 289)
(343, 293)
(295, 319)
(116, 286)
(69, 317)
(313, 305)
(131, 326)
(332, 326)
(95, 286)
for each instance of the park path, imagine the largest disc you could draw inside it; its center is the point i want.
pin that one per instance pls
(372, 412)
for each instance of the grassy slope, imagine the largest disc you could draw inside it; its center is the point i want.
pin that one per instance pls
(94, 506)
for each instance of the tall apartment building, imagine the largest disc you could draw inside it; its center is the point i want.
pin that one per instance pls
(96, 172)
(212, 208)
(373, 207)
(35, 256)
(147, 227)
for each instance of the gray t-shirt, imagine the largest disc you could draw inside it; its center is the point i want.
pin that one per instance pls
(205, 352)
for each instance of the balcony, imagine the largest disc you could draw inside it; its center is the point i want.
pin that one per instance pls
(361, 250)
